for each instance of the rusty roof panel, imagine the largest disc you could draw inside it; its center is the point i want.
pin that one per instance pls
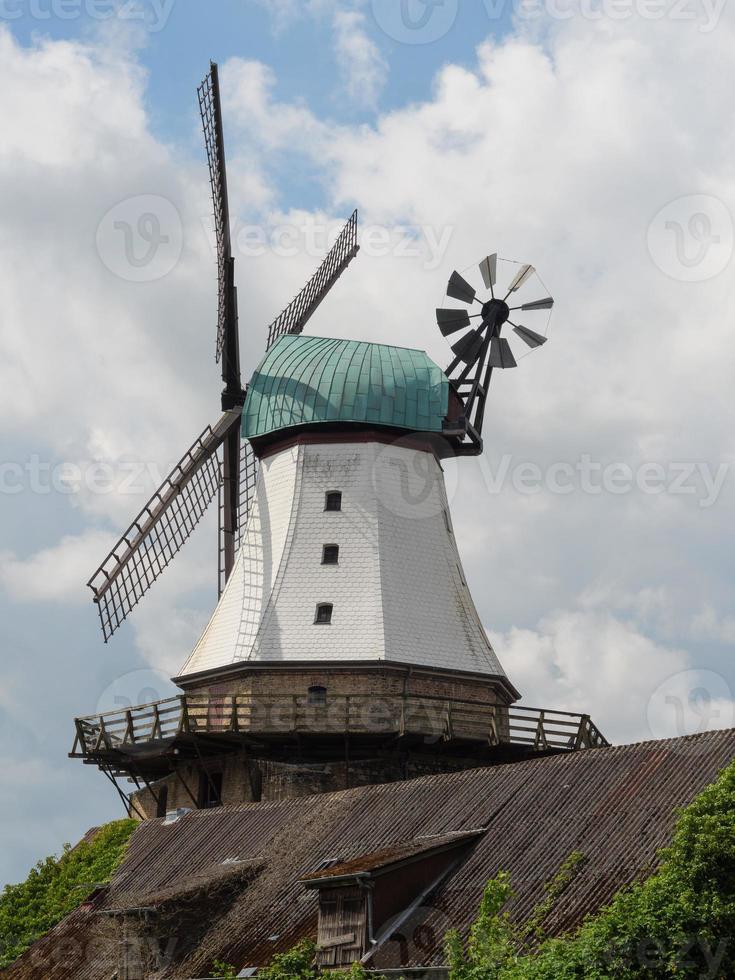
(389, 856)
(615, 805)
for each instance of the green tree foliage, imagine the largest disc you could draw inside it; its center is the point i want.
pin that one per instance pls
(679, 923)
(56, 886)
(297, 963)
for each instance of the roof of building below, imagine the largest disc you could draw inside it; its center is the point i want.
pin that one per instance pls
(389, 857)
(617, 806)
(310, 380)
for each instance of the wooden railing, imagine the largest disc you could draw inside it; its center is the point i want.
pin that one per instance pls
(430, 717)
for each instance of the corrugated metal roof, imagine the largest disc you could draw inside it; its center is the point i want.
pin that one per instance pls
(615, 805)
(388, 856)
(305, 380)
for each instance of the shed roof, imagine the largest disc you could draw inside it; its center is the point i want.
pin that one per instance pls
(389, 857)
(616, 805)
(305, 380)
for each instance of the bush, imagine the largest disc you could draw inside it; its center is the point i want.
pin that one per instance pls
(56, 886)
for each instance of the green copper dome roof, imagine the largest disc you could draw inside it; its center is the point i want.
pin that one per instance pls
(305, 380)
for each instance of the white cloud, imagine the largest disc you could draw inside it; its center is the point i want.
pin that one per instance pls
(633, 688)
(57, 573)
(559, 150)
(708, 624)
(362, 65)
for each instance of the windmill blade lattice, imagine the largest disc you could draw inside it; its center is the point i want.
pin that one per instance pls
(294, 318)
(246, 494)
(161, 528)
(211, 113)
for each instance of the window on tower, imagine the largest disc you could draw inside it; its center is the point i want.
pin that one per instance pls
(330, 554)
(333, 500)
(318, 695)
(210, 790)
(323, 613)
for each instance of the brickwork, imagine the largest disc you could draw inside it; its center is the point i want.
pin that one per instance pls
(379, 680)
(251, 779)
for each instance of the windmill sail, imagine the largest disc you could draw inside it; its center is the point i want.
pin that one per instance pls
(161, 529)
(299, 310)
(219, 462)
(227, 348)
(246, 491)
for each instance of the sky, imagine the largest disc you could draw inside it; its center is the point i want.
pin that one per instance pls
(584, 136)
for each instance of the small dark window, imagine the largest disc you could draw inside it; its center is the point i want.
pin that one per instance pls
(256, 783)
(210, 790)
(318, 696)
(446, 521)
(333, 500)
(162, 801)
(324, 613)
(330, 554)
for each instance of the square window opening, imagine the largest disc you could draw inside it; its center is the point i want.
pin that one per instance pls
(323, 613)
(333, 500)
(318, 696)
(330, 554)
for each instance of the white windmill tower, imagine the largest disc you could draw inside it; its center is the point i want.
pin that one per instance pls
(345, 647)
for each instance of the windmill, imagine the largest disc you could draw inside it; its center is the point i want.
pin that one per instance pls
(345, 647)
(481, 348)
(218, 462)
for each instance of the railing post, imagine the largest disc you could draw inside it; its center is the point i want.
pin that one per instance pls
(583, 733)
(234, 721)
(81, 737)
(540, 739)
(156, 730)
(184, 717)
(129, 735)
